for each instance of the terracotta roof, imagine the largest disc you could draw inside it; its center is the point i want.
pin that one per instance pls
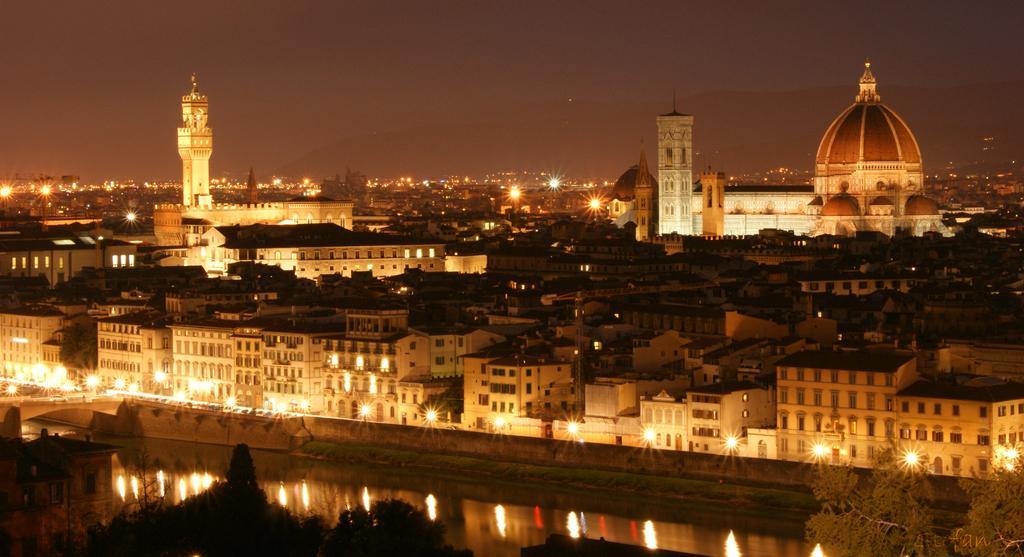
(841, 205)
(888, 361)
(993, 392)
(868, 132)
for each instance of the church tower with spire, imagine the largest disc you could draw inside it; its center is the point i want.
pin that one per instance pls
(195, 145)
(675, 175)
(251, 188)
(644, 202)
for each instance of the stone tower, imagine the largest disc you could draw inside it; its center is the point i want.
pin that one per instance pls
(643, 201)
(675, 177)
(713, 203)
(195, 145)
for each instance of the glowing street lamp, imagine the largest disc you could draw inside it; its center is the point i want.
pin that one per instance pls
(130, 217)
(92, 381)
(499, 423)
(514, 194)
(160, 377)
(119, 384)
(911, 459)
(649, 435)
(820, 451)
(12, 389)
(731, 443)
(45, 191)
(573, 428)
(594, 204)
(430, 416)
(230, 401)
(554, 183)
(364, 411)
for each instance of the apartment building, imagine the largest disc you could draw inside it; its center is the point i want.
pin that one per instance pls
(293, 363)
(203, 359)
(60, 256)
(840, 406)
(858, 284)
(248, 365)
(961, 428)
(496, 389)
(24, 332)
(448, 344)
(712, 418)
(134, 352)
(364, 365)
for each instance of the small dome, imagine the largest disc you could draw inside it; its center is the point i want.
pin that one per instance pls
(920, 206)
(841, 205)
(625, 186)
(816, 202)
(881, 200)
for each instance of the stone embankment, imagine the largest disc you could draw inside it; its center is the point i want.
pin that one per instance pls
(180, 423)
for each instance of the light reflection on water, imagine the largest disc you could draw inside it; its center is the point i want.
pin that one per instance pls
(491, 518)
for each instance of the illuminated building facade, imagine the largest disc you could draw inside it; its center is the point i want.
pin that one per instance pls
(134, 352)
(869, 175)
(365, 365)
(24, 334)
(840, 407)
(498, 389)
(203, 359)
(312, 250)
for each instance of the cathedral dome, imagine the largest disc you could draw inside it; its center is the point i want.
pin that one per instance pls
(626, 184)
(868, 131)
(842, 205)
(920, 206)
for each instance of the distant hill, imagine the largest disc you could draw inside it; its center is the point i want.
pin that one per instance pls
(734, 131)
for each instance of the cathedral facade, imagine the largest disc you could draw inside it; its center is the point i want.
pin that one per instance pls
(869, 176)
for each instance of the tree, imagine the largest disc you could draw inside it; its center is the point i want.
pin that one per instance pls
(885, 515)
(391, 527)
(995, 521)
(79, 349)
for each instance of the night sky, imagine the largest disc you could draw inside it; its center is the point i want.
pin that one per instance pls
(91, 88)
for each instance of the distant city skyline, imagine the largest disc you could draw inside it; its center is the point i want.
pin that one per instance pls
(316, 87)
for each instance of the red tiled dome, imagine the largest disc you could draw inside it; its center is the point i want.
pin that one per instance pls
(841, 205)
(920, 206)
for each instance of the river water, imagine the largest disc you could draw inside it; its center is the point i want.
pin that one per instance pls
(493, 518)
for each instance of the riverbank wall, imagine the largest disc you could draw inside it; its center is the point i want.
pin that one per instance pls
(797, 476)
(179, 423)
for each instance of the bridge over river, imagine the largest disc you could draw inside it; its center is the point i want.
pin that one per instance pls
(77, 409)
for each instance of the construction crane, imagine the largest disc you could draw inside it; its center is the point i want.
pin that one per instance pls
(579, 296)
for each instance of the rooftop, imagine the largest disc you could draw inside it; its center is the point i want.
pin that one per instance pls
(861, 360)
